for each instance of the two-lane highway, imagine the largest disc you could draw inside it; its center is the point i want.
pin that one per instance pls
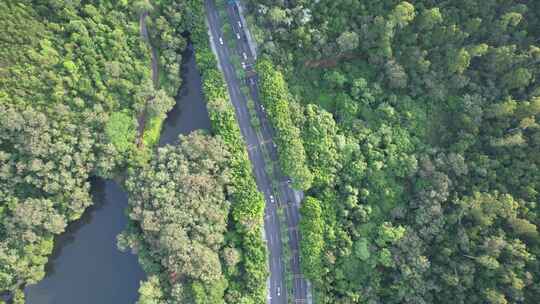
(255, 145)
(285, 196)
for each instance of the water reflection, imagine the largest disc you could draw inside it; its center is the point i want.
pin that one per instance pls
(86, 267)
(190, 111)
(68, 237)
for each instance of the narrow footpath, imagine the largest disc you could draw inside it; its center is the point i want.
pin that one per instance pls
(141, 119)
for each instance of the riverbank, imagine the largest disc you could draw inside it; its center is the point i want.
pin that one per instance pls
(86, 267)
(57, 141)
(148, 127)
(86, 260)
(189, 113)
(243, 259)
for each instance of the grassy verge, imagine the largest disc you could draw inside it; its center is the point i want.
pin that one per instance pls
(286, 254)
(254, 119)
(152, 131)
(226, 28)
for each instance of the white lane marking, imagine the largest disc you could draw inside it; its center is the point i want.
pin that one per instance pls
(237, 90)
(227, 68)
(257, 174)
(259, 171)
(239, 113)
(242, 112)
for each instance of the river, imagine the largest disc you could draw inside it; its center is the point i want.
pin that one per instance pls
(86, 267)
(189, 112)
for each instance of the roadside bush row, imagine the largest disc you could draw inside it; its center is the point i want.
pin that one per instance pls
(247, 209)
(275, 97)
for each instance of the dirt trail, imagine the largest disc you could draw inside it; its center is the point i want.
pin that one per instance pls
(155, 76)
(144, 34)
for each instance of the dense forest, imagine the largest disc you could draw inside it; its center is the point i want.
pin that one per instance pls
(413, 127)
(69, 74)
(76, 99)
(179, 204)
(85, 86)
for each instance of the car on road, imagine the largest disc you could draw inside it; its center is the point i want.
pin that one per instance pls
(289, 181)
(244, 55)
(239, 24)
(238, 36)
(243, 65)
(278, 291)
(220, 40)
(272, 200)
(262, 108)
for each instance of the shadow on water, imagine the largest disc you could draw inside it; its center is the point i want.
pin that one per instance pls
(68, 237)
(86, 267)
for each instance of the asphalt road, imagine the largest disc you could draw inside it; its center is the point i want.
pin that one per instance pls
(271, 221)
(285, 196)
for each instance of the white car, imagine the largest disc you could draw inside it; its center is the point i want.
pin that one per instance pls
(244, 55)
(278, 291)
(240, 24)
(220, 40)
(243, 65)
(262, 108)
(238, 36)
(272, 199)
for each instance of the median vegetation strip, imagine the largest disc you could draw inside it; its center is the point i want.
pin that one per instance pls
(285, 253)
(275, 97)
(254, 118)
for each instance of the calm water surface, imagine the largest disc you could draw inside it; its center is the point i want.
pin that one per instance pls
(190, 112)
(86, 267)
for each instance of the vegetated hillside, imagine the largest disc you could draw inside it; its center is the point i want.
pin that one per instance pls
(419, 123)
(73, 78)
